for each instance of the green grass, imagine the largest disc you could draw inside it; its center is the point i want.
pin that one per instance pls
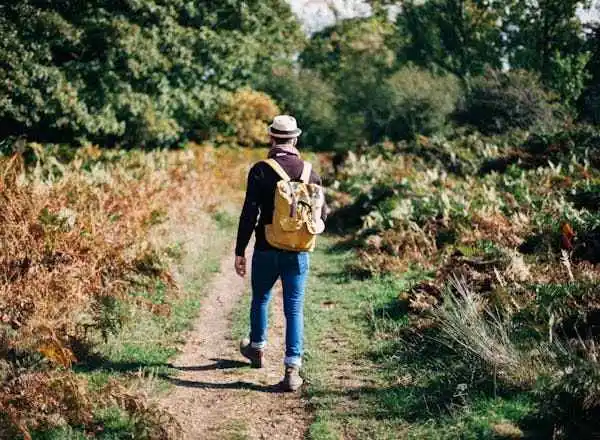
(146, 342)
(113, 424)
(241, 317)
(371, 376)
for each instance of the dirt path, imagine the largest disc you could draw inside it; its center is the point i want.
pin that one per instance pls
(216, 394)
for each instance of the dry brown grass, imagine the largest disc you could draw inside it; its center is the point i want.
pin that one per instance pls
(466, 321)
(74, 234)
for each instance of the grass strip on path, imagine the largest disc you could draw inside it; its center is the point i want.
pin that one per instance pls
(371, 376)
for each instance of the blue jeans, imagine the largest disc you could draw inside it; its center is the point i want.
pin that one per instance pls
(292, 268)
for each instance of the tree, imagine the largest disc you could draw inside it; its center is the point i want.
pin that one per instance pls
(355, 56)
(461, 37)
(537, 30)
(130, 71)
(546, 36)
(351, 45)
(590, 100)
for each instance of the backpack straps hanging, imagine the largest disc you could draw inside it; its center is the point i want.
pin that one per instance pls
(278, 169)
(306, 171)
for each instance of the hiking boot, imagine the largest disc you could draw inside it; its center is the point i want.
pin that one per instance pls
(254, 355)
(292, 380)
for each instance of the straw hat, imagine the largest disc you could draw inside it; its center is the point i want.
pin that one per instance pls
(285, 127)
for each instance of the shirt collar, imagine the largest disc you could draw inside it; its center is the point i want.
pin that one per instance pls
(283, 150)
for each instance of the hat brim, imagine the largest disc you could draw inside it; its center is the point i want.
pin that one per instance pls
(284, 134)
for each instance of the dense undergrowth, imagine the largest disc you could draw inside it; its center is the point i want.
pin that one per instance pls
(93, 254)
(506, 234)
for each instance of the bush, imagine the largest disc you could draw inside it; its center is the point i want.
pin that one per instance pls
(86, 248)
(413, 101)
(310, 99)
(581, 141)
(499, 102)
(246, 116)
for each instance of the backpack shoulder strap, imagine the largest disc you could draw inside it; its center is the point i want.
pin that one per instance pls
(306, 171)
(278, 169)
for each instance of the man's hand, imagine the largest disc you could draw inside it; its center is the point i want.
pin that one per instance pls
(240, 266)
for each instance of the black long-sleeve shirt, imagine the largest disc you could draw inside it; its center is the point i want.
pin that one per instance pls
(260, 195)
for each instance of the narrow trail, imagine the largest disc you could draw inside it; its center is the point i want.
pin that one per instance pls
(216, 395)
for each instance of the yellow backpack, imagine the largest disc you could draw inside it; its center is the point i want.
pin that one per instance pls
(297, 211)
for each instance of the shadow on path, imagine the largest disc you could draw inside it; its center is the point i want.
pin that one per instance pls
(126, 367)
(238, 385)
(219, 364)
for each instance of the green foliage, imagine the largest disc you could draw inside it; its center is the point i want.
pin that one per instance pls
(546, 37)
(245, 117)
(503, 101)
(354, 57)
(411, 102)
(457, 36)
(580, 141)
(131, 72)
(372, 99)
(67, 433)
(111, 314)
(350, 46)
(530, 320)
(572, 400)
(567, 77)
(312, 101)
(590, 99)
(563, 300)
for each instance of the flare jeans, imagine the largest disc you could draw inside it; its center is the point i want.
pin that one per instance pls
(292, 268)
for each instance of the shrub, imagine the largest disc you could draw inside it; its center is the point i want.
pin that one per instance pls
(413, 101)
(499, 102)
(571, 402)
(581, 141)
(246, 115)
(310, 99)
(76, 245)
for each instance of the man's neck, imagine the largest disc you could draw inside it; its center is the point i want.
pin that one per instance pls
(283, 149)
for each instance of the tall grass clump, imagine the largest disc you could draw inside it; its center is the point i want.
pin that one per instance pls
(467, 322)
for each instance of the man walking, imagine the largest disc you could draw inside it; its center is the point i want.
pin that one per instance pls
(272, 259)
